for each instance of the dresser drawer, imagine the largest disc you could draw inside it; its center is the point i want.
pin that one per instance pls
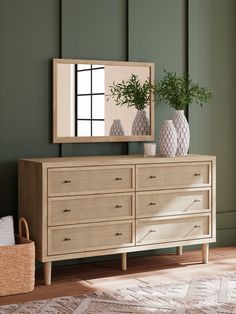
(90, 237)
(173, 202)
(173, 175)
(153, 230)
(90, 208)
(90, 180)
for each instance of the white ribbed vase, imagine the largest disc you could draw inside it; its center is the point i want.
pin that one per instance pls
(183, 133)
(168, 139)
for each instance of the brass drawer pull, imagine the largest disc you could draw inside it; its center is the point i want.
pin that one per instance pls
(118, 234)
(66, 181)
(152, 177)
(118, 179)
(151, 203)
(197, 201)
(197, 174)
(150, 231)
(67, 210)
(67, 239)
(118, 206)
(197, 226)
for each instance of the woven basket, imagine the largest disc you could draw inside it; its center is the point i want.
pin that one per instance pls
(17, 264)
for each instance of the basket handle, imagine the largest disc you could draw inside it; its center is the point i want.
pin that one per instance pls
(22, 221)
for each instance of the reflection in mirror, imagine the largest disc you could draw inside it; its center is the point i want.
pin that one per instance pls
(82, 110)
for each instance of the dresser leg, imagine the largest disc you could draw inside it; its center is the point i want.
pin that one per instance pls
(47, 266)
(124, 261)
(205, 251)
(179, 250)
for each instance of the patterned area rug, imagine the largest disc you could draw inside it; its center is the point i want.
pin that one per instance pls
(208, 295)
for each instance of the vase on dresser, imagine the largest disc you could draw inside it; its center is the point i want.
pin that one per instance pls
(141, 125)
(183, 133)
(168, 139)
(116, 128)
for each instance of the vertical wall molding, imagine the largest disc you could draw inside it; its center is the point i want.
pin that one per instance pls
(127, 30)
(186, 65)
(60, 51)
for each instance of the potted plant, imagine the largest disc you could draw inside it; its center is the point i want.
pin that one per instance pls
(133, 93)
(179, 92)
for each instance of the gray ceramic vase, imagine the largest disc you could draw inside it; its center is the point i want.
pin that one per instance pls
(116, 128)
(141, 125)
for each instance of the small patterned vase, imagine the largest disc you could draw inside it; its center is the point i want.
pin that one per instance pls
(141, 125)
(168, 139)
(182, 129)
(116, 128)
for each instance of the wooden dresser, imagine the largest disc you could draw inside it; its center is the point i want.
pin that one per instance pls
(90, 206)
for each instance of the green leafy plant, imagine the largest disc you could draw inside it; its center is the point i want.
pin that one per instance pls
(132, 92)
(180, 91)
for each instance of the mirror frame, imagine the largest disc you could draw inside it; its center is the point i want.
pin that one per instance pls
(93, 139)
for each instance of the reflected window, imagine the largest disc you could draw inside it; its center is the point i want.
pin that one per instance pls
(89, 100)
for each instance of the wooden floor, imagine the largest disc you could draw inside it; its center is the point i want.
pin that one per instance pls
(86, 278)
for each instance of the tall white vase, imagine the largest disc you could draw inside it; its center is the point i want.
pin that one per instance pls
(168, 139)
(183, 133)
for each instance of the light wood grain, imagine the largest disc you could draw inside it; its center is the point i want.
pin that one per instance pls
(90, 180)
(124, 261)
(90, 237)
(179, 250)
(30, 184)
(91, 139)
(47, 273)
(172, 175)
(92, 219)
(90, 208)
(213, 196)
(137, 248)
(59, 162)
(205, 253)
(157, 230)
(173, 202)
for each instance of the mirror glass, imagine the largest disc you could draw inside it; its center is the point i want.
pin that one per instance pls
(83, 111)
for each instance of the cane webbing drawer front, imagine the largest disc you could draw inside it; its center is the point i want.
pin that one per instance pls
(89, 180)
(90, 237)
(150, 231)
(173, 202)
(90, 208)
(173, 175)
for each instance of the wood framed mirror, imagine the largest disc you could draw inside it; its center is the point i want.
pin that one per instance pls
(83, 112)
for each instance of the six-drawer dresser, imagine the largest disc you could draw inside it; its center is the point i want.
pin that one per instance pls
(90, 206)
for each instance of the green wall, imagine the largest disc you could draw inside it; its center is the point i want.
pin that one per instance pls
(199, 35)
(29, 38)
(94, 30)
(212, 50)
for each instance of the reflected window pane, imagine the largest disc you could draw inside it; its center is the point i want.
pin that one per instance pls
(94, 66)
(83, 128)
(83, 66)
(84, 82)
(98, 128)
(84, 107)
(98, 107)
(98, 81)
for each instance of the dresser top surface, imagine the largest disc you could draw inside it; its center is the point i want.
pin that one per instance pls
(115, 160)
